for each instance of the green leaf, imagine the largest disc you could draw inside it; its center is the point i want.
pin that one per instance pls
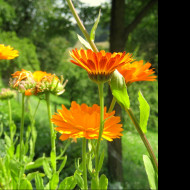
(92, 33)
(103, 182)
(68, 183)
(119, 90)
(144, 112)
(79, 180)
(36, 164)
(101, 161)
(25, 184)
(39, 182)
(63, 164)
(54, 181)
(84, 42)
(32, 175)
(47, 168)
(151, 173)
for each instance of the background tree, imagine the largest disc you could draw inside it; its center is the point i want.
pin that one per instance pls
(123, 23)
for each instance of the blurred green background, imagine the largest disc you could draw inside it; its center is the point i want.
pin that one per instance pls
(44, 32)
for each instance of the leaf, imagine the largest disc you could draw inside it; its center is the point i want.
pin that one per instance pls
(79, 180)
(92, 33)
(103, 182)
(25, 184)
(94, 185)
(144, 112)
(54, 181)
(36, 164)
(63, 164)
(39, 182)
(101, 161)
(119, 90)
(151, 173)
(68, 183)
(32, 175)
(47, 168)
(84, 42)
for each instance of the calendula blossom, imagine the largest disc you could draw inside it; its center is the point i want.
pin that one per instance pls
(84, 121)
(47, 82)
(7, 52)
(99, 65)
(7, 93)
(137, 71)
(22, 80)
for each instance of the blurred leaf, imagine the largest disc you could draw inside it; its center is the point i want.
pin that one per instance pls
(47, 168)
(39, 182)
(54, 181)
(79, 180)
(94, 185)
(25, 184)
(32, 175)
(119, 90)
(144, 112)
(68, 183)
(151, 173)
(84, 42)
(103, 182)
(36, 164)
(63, 164)
(101, 161)
(92, 33)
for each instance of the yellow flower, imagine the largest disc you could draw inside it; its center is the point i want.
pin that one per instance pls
(83, 121)
(7, 52)
(99, 65)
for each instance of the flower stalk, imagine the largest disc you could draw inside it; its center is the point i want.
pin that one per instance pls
(52, 133)
(101, 97)
(10, 119)
(84, 163)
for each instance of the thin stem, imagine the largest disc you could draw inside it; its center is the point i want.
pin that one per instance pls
(112, 104)
(21, 156)
(81, 26)
(22, 130)
(52, 133)
(101, 97)
(143, 137)
(10, 119)
(84, 163)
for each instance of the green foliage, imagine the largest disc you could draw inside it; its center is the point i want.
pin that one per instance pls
(144, 112)
(151, 173)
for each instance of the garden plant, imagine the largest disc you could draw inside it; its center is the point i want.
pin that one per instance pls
(92, 124)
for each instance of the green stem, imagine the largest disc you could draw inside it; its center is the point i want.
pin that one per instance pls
(143, 137)
(81, 26)
(112, 105)
(21, 156)
(10, 119)
(52, 133)
(22, 131)
(101, 97)
(84, 163)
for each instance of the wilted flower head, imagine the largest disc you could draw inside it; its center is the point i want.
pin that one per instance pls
(47, 82)
(7, 52)
(7, 93)
(22, 80)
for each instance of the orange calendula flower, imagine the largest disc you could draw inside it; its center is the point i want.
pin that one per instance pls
(136, 71)
(48, 82)
(99, 65)
(7, 52)
(83, 121)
